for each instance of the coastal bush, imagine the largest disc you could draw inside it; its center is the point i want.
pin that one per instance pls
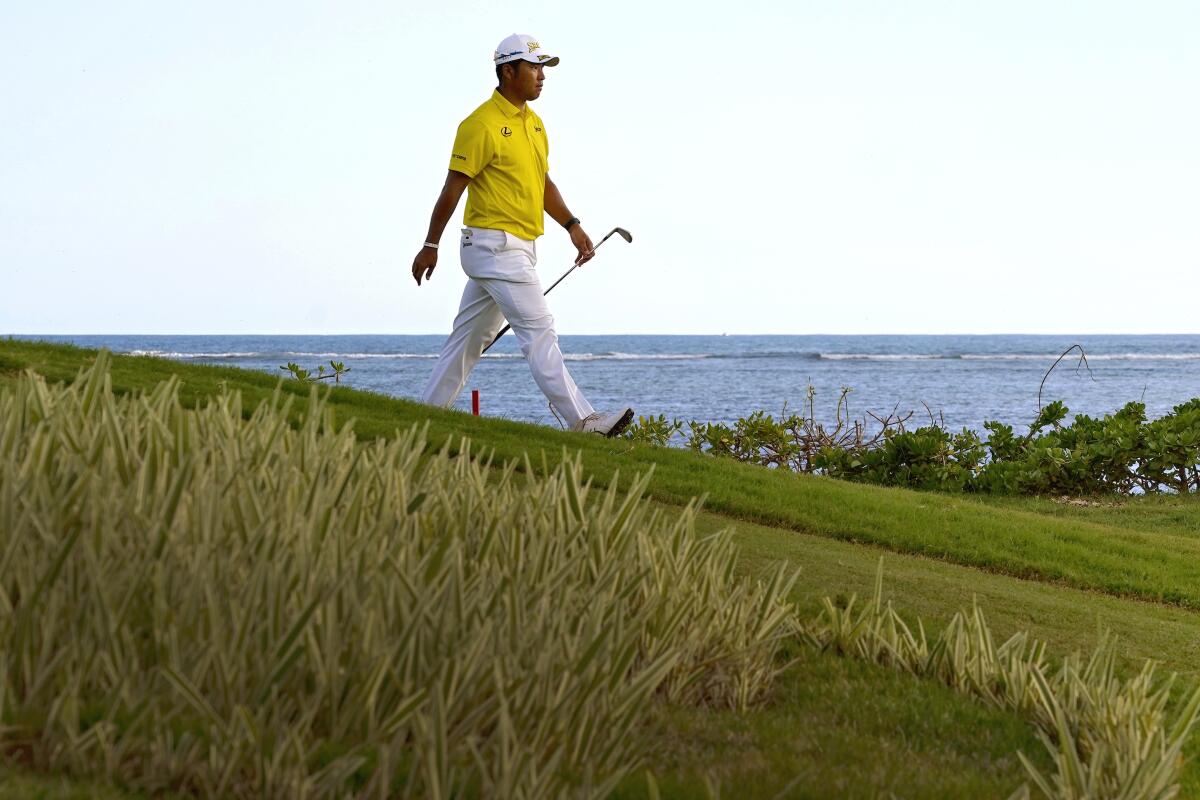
(200, 602)
(338, 369)
(1120, 453)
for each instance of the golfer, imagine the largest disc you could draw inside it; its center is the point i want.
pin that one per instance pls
(500, 158)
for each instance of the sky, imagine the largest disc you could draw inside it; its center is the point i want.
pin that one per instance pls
(787, 168)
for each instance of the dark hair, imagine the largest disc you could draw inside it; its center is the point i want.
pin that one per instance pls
(516, 65)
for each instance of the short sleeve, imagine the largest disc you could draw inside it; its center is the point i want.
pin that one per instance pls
(473, 148)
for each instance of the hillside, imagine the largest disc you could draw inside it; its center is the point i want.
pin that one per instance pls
(1059, 571)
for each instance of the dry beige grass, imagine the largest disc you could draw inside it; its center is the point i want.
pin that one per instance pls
(197, 601)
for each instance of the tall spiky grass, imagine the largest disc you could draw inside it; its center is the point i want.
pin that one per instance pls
(1108, 737)
(223, 604)
(219, 603)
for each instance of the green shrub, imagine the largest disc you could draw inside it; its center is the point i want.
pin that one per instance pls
(654, 430)
(1121, 453)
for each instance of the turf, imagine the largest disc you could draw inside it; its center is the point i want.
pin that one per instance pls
(833, 726)
(1098, 554)
(1174, 514)
(22, 784)
(843, 728)
(1067, 618)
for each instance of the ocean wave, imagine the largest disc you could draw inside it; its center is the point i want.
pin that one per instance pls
(622, 356)
(361, 356)
(882, 357)
(1043, 357)
(166, 354)
(1091, 357)
(616, 356)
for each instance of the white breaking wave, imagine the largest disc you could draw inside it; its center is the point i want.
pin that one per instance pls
(566, 356)
(881, 357)
(635, 356)
(1075, 357)
(619, 356)
(356, 356)
(165, 354)
(1045, 357)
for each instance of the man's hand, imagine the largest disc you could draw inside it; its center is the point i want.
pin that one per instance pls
(425, 261)
(583, 243)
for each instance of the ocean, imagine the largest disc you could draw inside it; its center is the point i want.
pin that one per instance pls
(964, 380)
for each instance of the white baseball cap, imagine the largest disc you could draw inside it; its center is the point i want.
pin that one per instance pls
(522, 47)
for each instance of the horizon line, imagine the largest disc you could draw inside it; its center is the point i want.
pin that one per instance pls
(718, 334)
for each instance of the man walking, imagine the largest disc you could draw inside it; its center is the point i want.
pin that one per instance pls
(500, 158)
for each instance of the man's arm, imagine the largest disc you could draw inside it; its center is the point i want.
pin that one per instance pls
(426, 260)
(556, 207)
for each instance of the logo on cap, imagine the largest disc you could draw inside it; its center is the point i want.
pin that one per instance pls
(534, 46)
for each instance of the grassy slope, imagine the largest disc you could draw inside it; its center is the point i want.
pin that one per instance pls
(1155, 514)
(1067, 618)
(840, 728)
(834, 728)
(1077, 552)
(827, 712)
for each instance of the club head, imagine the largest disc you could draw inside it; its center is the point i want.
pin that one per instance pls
(626, 235)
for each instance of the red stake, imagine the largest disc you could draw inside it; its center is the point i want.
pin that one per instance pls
(475, 402)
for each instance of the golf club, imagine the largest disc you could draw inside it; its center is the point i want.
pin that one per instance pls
(626, 235)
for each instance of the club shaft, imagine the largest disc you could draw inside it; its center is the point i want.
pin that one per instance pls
(506, 328)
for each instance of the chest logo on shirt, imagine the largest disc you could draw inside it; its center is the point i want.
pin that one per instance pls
(506, 131)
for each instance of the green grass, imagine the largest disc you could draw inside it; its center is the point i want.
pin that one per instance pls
(824, 717)
(1099, 555)
(1068, 618)
(844, 728)
(19, 783)
(836, 726)
(1174, 514)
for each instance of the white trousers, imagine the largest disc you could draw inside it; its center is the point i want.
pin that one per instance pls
(503, 284)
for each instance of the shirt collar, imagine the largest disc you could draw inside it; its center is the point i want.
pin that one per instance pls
(502, 103)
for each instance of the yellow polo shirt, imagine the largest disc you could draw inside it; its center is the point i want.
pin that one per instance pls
(505, 152)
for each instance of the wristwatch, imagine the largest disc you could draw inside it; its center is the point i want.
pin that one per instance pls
(570, 222)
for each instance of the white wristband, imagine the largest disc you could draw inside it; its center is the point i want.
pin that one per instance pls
(431, 244)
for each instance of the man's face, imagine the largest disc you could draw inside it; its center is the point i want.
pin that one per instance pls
(527, 79)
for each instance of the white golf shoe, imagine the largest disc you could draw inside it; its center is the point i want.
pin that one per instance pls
(609, 425)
